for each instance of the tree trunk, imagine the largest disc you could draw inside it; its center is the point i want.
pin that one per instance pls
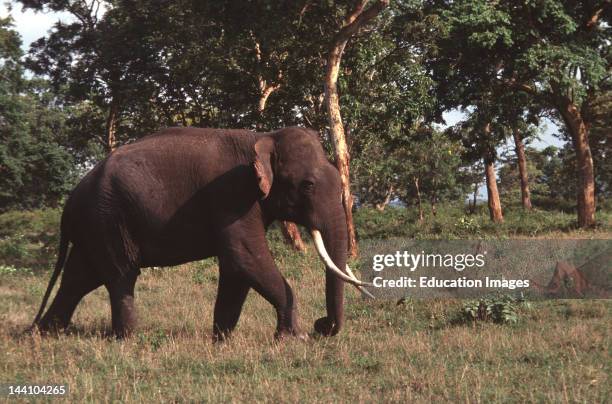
(473, 207)
(418, 191)
(434, 200)
(353, 22)
(111, 128)
(584, 164)
(292, 235)
(522, 164)
(381, 205)
(495, 209)
(266, 92)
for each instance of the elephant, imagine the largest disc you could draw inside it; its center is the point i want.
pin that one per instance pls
(185, 194)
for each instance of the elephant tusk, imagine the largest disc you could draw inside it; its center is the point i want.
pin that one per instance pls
(320, 246)
(361, 288)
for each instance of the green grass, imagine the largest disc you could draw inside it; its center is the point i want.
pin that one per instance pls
(416, 351)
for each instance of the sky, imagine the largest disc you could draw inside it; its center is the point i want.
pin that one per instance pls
(32, 26)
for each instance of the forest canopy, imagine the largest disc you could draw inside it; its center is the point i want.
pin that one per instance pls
(375, 78)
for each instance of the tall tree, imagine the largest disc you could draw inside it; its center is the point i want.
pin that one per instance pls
(522, 165)
(354, 20)
(480, 134)
(495, 209)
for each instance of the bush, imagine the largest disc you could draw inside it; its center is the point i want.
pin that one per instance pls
(502, 309)
(29, 239)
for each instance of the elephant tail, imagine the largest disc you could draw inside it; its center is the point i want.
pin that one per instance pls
(61, 258)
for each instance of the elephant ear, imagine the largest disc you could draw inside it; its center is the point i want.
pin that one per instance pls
(264, 149)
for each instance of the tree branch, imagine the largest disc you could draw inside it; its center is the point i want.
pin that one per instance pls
(357, 18)
(592, 22)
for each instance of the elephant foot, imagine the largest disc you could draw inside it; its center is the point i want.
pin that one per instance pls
(33, 330)
(49, 325)
(326, 327)
(292, 333)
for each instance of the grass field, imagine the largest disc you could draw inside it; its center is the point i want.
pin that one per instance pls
(416, 351)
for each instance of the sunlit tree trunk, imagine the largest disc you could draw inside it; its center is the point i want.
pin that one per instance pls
(111, 127)
(354, 21)
(495, 209)
(584, 163)
(522, 164)
(292, 235)
(579, 130)
(382, 205)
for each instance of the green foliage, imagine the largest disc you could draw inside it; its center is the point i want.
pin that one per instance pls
(29, 239)
(36, 170)
(598, 112)
(468, 225)
(553, 52)
(206, 64)
(11, 270)
(153, 340)
(509, 177)
(204, 271)
(14, 248)
(502, 309)
(452, 222)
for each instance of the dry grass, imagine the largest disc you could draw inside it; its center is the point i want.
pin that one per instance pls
(559, 350)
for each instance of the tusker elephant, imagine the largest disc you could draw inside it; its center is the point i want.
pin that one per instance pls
(184, 194)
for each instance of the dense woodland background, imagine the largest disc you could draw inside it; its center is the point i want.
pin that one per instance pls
(373, 77)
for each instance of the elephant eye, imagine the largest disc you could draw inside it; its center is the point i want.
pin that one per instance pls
(307, 186)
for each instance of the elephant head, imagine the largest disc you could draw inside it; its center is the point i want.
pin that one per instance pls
(299, 184)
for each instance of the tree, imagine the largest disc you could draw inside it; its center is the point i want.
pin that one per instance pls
(480, 134)
(431, 169)
(522, 165)
(471, 175)
(553, 50)
(353, 22)
(510, 178)
(35, 170)
(386, 101)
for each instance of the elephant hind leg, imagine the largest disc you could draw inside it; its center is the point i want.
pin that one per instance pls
(121, 292)
(231, 294)
(78, 279)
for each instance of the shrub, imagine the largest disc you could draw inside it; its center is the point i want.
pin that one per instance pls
(29, 239)
(502, 309)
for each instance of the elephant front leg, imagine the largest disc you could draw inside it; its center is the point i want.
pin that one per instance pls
(246, 252)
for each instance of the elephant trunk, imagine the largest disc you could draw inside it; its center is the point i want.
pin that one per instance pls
(332, 245)
(335, 238)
